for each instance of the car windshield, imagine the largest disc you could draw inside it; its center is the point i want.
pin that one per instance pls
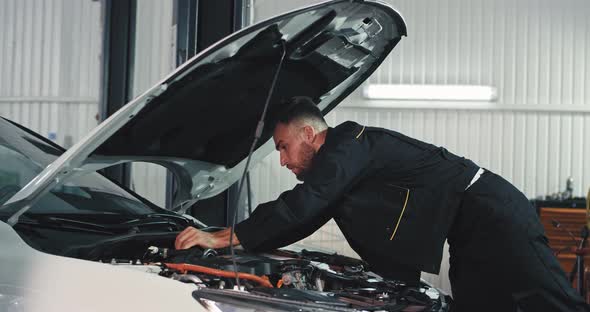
(24, 155)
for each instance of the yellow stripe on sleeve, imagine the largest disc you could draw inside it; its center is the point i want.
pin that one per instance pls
(401, 215)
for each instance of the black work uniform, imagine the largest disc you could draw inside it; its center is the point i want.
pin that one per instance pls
(396, 199)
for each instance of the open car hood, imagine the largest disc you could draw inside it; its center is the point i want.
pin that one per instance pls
(199, 122)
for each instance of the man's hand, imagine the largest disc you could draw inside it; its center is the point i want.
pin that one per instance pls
(192, 237)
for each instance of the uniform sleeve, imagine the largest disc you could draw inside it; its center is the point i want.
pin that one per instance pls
(304, 209)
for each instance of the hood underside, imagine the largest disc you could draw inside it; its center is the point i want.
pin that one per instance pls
(210, 113)
(200, 121)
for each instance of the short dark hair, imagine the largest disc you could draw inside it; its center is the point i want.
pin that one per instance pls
(300, 108)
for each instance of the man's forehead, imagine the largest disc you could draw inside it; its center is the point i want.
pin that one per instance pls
(279, 131)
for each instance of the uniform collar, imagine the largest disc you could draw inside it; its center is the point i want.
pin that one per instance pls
(344, 131)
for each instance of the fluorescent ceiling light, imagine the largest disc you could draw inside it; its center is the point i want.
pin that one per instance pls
(430, 92)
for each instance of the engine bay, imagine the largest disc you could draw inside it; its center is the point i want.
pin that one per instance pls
(283, 279)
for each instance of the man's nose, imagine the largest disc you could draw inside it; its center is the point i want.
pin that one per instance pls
(283, 159)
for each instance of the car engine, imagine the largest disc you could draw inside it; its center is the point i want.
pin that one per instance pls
(300, 280)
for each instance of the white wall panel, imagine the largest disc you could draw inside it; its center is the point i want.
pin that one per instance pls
(535, 52)
(50, 65)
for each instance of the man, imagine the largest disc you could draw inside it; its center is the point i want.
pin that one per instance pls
(396, 199)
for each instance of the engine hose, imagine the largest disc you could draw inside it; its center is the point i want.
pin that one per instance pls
(183, 267)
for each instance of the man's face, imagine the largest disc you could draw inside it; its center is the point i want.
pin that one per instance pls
(294, 143)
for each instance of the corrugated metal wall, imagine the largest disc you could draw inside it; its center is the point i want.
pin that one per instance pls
(535, 52)
(49, 65)
(153, 59)
(50, 69)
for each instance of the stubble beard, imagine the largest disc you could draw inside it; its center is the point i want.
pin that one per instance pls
(307, 154)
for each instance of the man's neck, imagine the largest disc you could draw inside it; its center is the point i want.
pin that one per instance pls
(320, 139)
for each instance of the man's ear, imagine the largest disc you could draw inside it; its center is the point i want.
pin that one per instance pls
(308, 133)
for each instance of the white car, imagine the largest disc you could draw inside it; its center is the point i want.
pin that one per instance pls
(72, 240)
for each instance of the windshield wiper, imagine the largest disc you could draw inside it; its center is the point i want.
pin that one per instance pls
(65, 224)
(165, 215)
(187, 219)
(160, 217)
(169, 221)
(172, 222)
